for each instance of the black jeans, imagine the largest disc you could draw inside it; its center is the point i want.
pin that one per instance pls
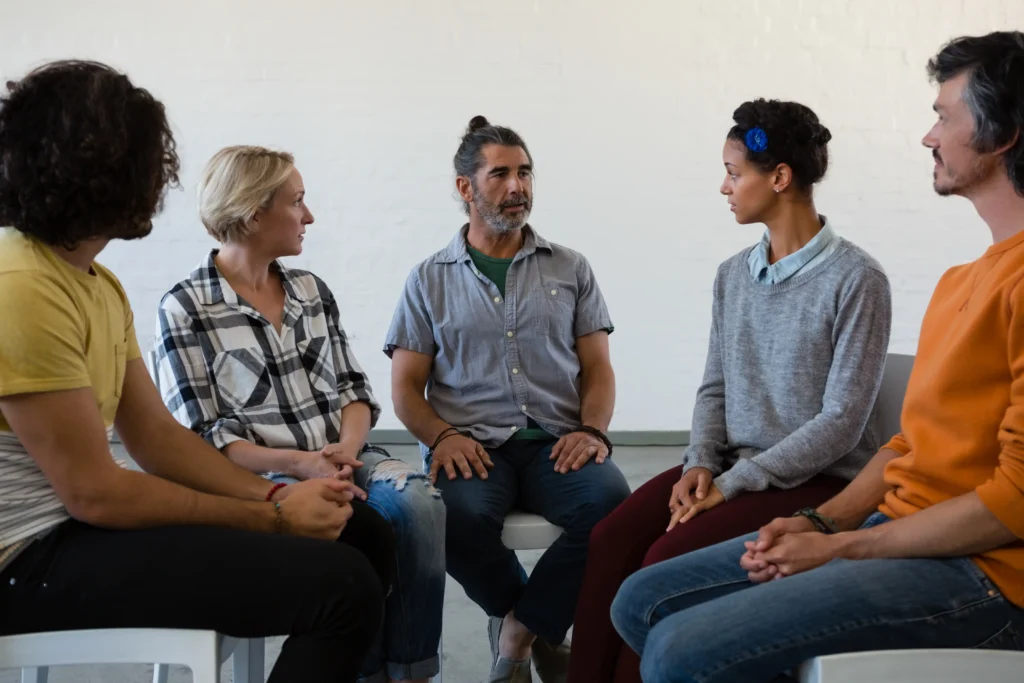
(329, 597)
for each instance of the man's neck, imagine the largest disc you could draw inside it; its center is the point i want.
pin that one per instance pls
(492, 243)
(82, 256)
(242, 268)
(999, 205)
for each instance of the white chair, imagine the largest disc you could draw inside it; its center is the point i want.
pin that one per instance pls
(522, 531)
(34, 653)
(910, 666)
(246, 661)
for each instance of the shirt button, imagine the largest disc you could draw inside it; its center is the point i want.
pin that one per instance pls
(514, 429)
(515, 371)
(554, 292)
(497, 299)
(523, 407)
(510, 333)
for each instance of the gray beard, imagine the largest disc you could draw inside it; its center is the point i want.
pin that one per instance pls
(494, 217)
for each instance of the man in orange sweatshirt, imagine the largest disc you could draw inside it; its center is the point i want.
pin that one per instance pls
(924, 548)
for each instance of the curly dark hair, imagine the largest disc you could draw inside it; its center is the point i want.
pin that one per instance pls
(795, 137)
(479, 133)
(994, 92)
(84, 154)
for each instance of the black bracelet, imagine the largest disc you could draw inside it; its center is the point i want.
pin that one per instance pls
(825, 525)
(594, 431)
(442, 436)
(451, 431)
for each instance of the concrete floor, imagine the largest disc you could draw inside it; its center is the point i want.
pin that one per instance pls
(466, 653)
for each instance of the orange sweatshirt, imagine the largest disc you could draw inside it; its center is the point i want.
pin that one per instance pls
(963, 416)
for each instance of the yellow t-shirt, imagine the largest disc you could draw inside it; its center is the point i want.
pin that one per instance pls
(61, 328)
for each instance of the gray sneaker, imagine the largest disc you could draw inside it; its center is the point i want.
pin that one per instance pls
(505, 670)
(551, 661)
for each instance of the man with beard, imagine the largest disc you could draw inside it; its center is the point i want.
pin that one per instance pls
(924, 548)
(501, 369)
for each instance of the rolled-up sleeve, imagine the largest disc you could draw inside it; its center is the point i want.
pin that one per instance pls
(1003, 494)
(353, 384)
(591, 310)
(411, 327)
(179, 371)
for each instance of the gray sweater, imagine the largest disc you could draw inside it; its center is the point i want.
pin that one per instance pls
(792, 374)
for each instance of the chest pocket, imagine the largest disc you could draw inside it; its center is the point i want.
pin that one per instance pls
(242, 378)
(551, 311)
(317, 357)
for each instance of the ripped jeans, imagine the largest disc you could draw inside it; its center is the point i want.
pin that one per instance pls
(408, 644)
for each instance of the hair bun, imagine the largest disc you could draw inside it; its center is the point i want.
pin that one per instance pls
(822, 136)
(478, 122)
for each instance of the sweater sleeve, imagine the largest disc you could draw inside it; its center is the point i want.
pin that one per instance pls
(860, 342)
(708, 435)
(1003, 494)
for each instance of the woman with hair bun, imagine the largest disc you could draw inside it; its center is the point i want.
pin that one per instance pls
(784, 415)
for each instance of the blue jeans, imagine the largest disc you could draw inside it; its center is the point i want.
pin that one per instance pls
(697, 617)
(523, 478)
(407, 647)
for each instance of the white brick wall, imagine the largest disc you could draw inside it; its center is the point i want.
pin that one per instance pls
(624, 105)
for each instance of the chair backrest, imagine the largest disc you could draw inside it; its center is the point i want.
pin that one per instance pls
(890, 396)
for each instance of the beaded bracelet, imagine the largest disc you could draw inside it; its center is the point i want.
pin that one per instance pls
(274, 489)
(279, 519)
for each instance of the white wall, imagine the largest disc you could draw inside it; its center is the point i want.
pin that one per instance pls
(624, 106)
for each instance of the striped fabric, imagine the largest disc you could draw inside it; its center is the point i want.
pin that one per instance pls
(227, 374)
(29, 507)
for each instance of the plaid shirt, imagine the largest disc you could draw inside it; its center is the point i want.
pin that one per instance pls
(225, 373)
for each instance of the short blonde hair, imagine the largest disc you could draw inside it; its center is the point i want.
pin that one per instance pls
(237, 182)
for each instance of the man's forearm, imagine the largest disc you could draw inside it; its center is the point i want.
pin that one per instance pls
(959, 526)
(597, 396)
(355, 425)
(862, 496)
(418, 416)
(179, 455)
(125, 499)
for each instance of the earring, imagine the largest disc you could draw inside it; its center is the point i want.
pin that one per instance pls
(776, 190)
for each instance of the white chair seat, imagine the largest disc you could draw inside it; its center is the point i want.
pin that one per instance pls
(916, 666)
(35, 652)
(526, 531)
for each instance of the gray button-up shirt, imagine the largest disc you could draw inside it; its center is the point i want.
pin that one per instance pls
(499, 360)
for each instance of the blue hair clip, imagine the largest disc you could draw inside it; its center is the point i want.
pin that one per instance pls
(757, 140)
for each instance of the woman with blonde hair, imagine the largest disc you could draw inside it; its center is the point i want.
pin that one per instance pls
(252, 355)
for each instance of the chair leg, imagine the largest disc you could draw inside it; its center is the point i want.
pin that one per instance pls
(160, 673)
(257, 655)
(39, 674)
(247, 661)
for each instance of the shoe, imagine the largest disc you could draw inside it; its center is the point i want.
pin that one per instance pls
(505, 670)
(551, 661)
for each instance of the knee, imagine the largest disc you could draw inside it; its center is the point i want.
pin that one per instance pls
(666, 660)
(596, 506)
(629, 613)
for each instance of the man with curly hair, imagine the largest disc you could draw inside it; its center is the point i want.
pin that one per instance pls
(187, 543)
(923, 549)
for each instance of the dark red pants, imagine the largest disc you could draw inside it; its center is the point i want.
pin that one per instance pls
(633, 536)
